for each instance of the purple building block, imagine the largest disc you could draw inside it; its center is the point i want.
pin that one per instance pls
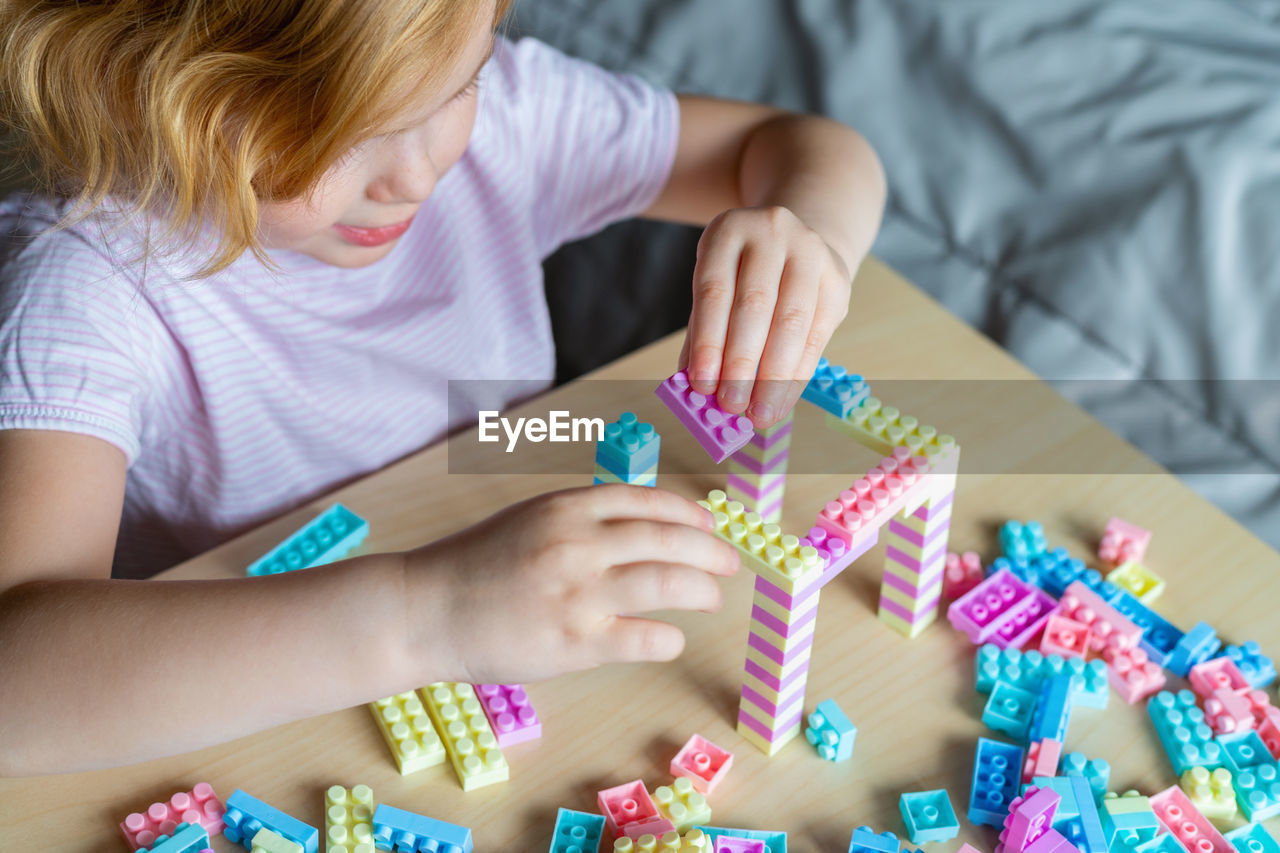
(1001, 610)
(510, 714)
(720, 433)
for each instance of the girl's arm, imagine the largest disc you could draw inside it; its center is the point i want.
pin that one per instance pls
(793, 204)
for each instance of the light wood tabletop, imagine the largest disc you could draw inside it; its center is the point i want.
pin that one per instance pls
(913, 701)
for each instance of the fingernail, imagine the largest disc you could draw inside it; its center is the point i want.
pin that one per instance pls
(704, 381)
(735, 396)
(761, 414)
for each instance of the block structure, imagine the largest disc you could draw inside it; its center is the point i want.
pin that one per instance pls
(327, 538)
(1256, 667)
(774, 841)
(348, 819)
(758, 472)
(468, 738)
(720, 433)
(628, 453)
(1181, 727)
(199, 806)
(510, 714)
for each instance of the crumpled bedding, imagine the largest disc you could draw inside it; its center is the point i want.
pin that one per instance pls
(1093, 183)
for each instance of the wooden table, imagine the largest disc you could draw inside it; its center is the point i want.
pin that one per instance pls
(912, 700)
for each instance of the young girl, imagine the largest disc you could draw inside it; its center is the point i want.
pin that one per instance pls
(280, 229)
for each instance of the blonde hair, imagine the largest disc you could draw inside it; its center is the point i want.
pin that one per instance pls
(201, 110)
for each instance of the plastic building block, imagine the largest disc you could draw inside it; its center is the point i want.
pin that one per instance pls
(1095, 771)
(1042, 759)
(1220, 673)
(510, 715)
(1159, 637)
(968, 848)
(186, 838)
(629, 448)
(577, 832)
(1060, 785)
(629, 810)
(1195, 646)
(720, 433)
(1030, 816)
(1057, 570)
(1128, 819)
(601, 475)
(882, 428)
(1009, 710)
(1132, 674)
(774, 842)
(348, 819)
(997, 767)
(780, 559)
(1244, 751)
(1258, 792)
(873, 499)
(397, 829)
(1053, 710)
(200, 806)
(928, 816)
(1030, 669)
(865, 840)
(1253, 838)
(407, 729)
(1122, 541)
(830, 731)
(1211, 792)
(681, 804)
(329, 536)
(1107, 625)
(246, 815)
(1182, 729)
(1267, 718)
(962, 573)
(1091, 837)
(834, 389)
(267, 841)
(704, 763)
(1002, 610)
(1228, 712)
(1256, 667)
(1065, 636)
(1022, 541)
(729, 844)
(1140, 581)
(468, 739)
(693, 841)
(1162, 843)
(1185, 822)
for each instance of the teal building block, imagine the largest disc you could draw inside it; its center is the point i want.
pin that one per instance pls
(830, 732)
(1095, 770)
(1060, 785)
(1163, 843)
(1029, 670)
(1022, 541)
(246, 814)
(576, 832)
(1181, 727)
(629, 448)
(328, 537)
(1253, 838)
(1257, 669)
(1258, 792)
(866, 840)
(186, 838)
(397, 829)
(1009, 710)
(1053, 710)
(928, 816)
(1092, 838)
(1244, 751)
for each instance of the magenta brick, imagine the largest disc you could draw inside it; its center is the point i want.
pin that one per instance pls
(1002, 610)
(510, 713)
(720, 433)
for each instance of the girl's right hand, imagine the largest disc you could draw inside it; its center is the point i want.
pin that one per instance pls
(557, 583)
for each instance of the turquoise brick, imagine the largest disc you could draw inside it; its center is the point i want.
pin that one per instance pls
(328, 537)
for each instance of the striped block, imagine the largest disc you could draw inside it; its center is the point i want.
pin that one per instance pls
(643, 478)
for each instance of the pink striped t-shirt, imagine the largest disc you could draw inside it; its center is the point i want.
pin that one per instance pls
(238, 397)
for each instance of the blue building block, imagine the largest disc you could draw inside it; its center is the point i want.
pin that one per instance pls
(1258, 791)
(997, 768)
(1253, 838)
(1029, 670)
(1060, 785)
(1092, 837)
(830, 731)
(577, 832)
(1257, 669)
(397, 829)
(186, 838)
(1022, 541)
(1180, 725)
(1096, 771)
(1163, 843)
(835, 390)
(1159, 637)
(1053, 710)
(866, 840)
(1009, 710)
(1025, 570)
(328, 537)
(1244, 751)
(1131, 824)
(774, 842)
(1057, 570)
(928, 816)
(1196, 646)
(629, 448)
(246, 814)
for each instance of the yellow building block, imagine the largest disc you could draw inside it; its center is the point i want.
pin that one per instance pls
(1145, 585)
(407, 729)
(927, 601)
(1212, 793)
(776, 670)
(682, 805)
(778, 558)
(882, 428)
(267, 841)
(768, 747)
(693, 841)
(348, 819)
(779, 611)
(468, 739)
(908, 629)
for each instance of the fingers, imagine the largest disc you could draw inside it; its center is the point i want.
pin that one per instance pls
(630, 639)
(609, 501)
(781, 362)
(755, 296)
(714, 275)
(643, 587)
(655, 541)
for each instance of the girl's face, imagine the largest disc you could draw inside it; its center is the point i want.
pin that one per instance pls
(365, 202)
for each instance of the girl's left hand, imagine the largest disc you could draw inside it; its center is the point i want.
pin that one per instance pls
(768, 292)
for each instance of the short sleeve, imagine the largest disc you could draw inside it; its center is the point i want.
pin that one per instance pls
(71, 344)
(600, 145)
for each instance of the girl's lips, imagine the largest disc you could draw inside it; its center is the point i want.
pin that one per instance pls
(372, 236)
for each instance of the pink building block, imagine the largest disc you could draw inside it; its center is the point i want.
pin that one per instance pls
(1122, 541)
(1042, 759)
(1065, 636)
(1001, 610)
(962, 573)
(1226, 711)
(968, 848)
(703, 762)
(510, 714)
(629, 810)
(1217, 674)
(1133, 675)
(1267, 720)
(872, 500)
(1186, 824)
(733, 844)
(200, 805)
(1107, 625)
(720, 433)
